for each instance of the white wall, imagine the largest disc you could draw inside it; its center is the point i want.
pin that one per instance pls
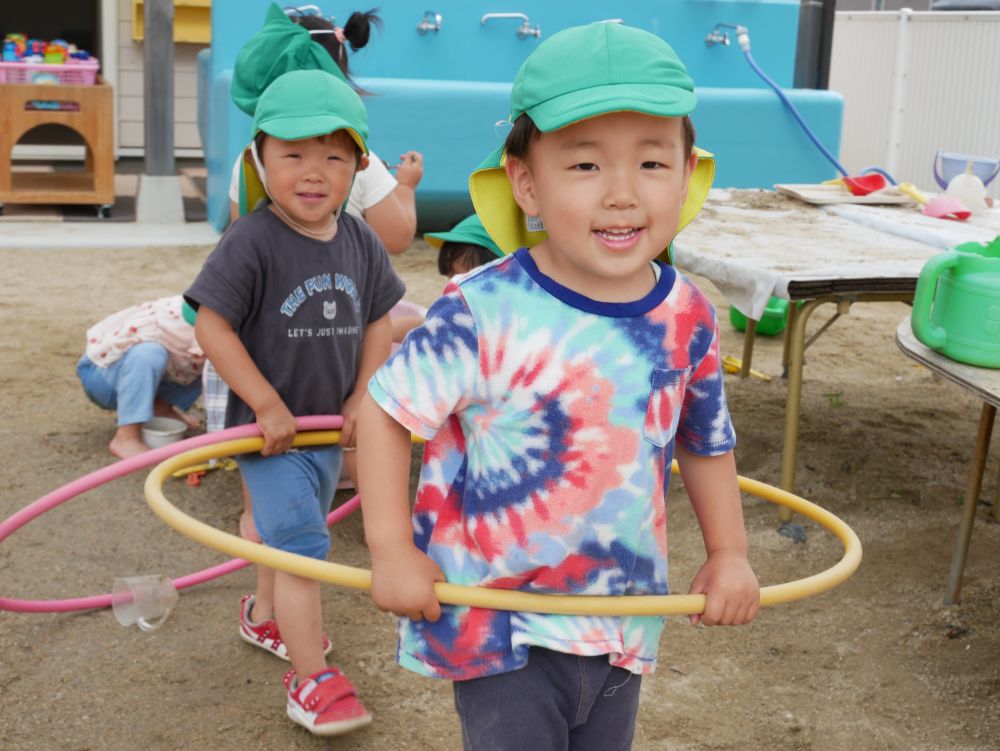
(929, 81)
(130, 91)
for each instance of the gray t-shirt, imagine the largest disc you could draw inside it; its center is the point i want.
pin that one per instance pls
(299, 305)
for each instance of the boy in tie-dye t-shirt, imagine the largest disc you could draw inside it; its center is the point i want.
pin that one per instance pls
(554, 386)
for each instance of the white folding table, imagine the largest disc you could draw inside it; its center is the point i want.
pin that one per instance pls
(756, 244)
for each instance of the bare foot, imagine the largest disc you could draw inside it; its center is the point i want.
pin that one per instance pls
(127, 442)
(191, 421)
(164, 409)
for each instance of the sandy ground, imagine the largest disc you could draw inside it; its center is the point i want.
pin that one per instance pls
(878, 663)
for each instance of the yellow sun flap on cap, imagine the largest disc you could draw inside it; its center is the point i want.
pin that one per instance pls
(494, 201)
(252, 189)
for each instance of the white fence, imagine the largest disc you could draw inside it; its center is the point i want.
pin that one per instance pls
(914, 83)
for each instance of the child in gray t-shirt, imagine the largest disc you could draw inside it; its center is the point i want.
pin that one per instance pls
(293, 312)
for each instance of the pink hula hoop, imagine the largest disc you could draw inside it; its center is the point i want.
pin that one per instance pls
(125, 467)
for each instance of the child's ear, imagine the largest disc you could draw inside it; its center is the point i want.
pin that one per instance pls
(523, 185)
(362, 163)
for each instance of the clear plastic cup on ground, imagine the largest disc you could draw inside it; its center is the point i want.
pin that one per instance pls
(143, 600)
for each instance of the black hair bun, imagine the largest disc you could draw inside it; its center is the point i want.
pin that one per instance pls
(358, 28)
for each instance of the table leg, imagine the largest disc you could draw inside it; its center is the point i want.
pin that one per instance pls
(793, 309)
(748, 337)
(975, 485)
(793, 405)
(996, 503)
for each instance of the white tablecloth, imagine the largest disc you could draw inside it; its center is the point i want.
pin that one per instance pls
(754, 244)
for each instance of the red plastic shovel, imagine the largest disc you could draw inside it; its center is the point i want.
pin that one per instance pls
(861, 185)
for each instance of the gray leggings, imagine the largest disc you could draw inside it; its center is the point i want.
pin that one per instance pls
(556, 702)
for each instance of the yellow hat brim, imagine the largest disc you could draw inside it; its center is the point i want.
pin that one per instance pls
(252, 189)
(503, 219)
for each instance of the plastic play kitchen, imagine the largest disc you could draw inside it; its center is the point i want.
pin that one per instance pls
(956, 308)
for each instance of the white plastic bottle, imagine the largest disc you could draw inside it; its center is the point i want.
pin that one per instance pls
(968, 189)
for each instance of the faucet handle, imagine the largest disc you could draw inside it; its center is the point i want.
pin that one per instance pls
(717, 37)
(527, 30)
(430, 22)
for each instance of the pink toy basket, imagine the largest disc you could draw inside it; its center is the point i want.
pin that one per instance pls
(82, 73)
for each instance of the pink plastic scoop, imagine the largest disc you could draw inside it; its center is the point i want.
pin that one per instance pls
(939, 207)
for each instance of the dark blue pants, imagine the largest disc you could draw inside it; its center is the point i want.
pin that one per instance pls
(557, 702)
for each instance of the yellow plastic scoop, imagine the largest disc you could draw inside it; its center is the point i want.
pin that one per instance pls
(735, 365)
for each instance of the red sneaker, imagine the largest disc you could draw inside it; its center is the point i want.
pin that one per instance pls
(325, 703)
(265, 634)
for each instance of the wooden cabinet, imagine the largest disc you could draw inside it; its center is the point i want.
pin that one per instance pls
(88, 110)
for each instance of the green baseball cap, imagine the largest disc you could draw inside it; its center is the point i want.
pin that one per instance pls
(470, 230)
(280, 47)
(603, 67)
(310, 103)
(579, 73)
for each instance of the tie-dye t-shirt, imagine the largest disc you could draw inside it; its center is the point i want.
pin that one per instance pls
(551, 421)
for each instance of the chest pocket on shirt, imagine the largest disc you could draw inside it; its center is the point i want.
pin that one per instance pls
(666, 398)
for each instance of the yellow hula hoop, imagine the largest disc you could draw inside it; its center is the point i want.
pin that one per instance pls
(483, 597)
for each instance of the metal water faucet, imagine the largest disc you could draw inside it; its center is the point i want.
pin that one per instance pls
(717, 36)
(430, 22)
(523, 31)
(304, 10)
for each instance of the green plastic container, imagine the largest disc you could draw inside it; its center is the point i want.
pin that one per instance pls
(956, 308)
(771, 323)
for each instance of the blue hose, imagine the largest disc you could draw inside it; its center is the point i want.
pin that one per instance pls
(795, 113)
(880, 171)
(798, 118)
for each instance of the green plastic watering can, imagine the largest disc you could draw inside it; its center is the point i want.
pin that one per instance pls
(956, 308)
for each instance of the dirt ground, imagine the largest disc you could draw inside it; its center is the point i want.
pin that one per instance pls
(879, 663)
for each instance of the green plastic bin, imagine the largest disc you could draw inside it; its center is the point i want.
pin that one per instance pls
(771, 323)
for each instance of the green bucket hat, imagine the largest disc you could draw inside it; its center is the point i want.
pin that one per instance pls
(280, 47)
(470, 230)
(615, 68)
(301, 104)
